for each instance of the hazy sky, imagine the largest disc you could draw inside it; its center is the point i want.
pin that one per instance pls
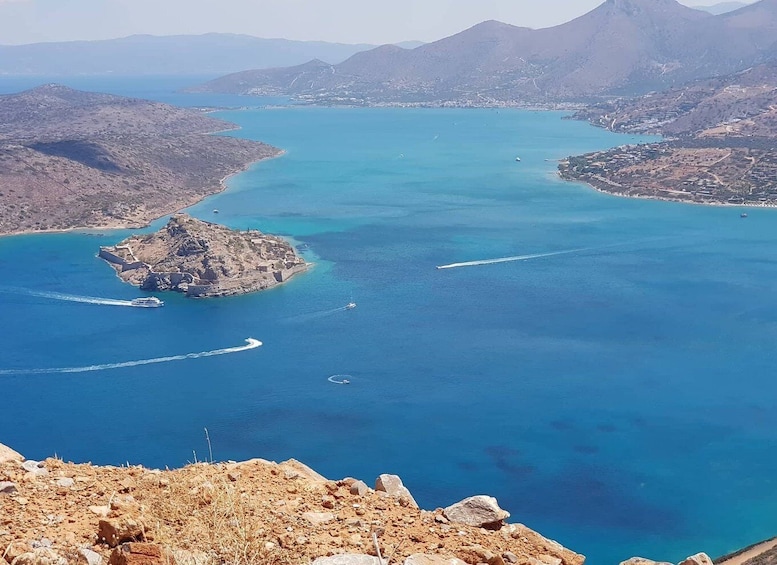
(347, 21)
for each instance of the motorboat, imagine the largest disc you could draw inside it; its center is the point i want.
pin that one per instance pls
(350, 306)
(147, 302)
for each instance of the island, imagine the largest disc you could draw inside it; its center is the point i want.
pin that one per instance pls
(718, 147)
(71, 159)
(202, 259)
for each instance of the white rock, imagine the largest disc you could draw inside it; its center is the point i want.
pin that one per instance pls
(478, 511)
(643, 561)
(421, 559)
(360, 488)
(318, 518)
(698, 559)
(7, 454)
(392, 485)
(7, 487)
(65, 482)
(91, 557)
(348, 559)
(40, 556)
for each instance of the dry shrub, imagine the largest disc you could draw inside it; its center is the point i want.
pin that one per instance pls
(206, 515)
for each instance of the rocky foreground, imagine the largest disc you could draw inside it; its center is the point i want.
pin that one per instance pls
(203, 259)
(254, 512)
(258, 512)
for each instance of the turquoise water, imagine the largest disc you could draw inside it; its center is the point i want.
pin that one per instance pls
(618, 399)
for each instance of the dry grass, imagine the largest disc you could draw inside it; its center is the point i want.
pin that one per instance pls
(205, 514)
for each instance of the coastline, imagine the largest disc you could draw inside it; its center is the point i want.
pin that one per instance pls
(222, 186)
(663, 198)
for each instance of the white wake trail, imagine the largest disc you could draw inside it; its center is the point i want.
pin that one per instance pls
(251, 343)
(71, 297)
(534, 256)
(315, 315)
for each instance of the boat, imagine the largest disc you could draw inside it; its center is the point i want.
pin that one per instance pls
(743, 215)
(518, 159)
(147, 302)
(215, 211)
(350, 306)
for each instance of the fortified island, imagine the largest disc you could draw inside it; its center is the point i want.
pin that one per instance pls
(202, 259)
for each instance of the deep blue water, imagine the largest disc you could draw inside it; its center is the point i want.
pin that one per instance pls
(618, 399)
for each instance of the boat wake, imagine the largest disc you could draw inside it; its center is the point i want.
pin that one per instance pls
(251, 343)
(70, 297)
(340, 379)
(320, 314)
(529, 257)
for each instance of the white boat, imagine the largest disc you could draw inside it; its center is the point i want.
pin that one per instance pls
(518, 159)
(147, 302)
(350, 306)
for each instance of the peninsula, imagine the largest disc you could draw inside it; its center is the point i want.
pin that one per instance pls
(72, 159)
(202, 259)
(719, 147)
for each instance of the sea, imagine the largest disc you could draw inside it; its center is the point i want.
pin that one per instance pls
(611, 379)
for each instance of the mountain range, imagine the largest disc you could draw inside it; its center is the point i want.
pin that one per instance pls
(622, 47)
(213, 53)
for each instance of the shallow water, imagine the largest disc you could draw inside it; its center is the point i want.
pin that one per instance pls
(617, 398)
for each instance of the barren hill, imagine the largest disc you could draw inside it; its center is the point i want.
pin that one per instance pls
(622, 46)
(79, 159)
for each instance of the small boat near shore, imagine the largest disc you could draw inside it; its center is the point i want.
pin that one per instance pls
(147, 302)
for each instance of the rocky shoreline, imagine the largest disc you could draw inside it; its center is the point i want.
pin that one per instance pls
(203, 259)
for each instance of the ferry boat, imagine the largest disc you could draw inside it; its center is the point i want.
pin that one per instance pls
(147, 302)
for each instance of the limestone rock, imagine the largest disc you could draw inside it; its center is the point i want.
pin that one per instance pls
(348, 559)
(89, 557)
(318, 518)
(698, 559)
(359, 488)
(421, 559)
(7, 454)
(478, 511)
(65, 482)
(141, 554)
(643, 561)
(392, 485)
(114, 531)
(39, 556)
(36, 468)
(303, 470)
(7, 487)
(547, 546)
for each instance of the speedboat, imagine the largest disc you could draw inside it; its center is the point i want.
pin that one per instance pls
(350, 306)
(147, 302)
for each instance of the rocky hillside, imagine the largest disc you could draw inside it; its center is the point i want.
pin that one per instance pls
(621, 47)
(723, 133)
(742, 104)
(249, 513)
(203, 259)
(73, 159)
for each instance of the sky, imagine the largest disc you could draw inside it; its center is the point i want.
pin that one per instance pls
(343, 21)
